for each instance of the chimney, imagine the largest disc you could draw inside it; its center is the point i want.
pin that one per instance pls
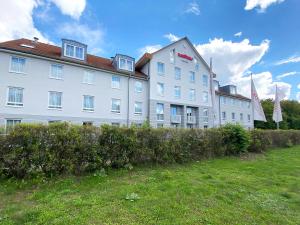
(35, 40)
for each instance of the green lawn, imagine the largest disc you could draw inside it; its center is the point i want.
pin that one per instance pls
(256, 189)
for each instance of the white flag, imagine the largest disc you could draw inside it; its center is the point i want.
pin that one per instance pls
(277, 115)
(258, 112)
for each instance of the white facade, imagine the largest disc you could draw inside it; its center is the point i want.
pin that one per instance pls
(37, 88)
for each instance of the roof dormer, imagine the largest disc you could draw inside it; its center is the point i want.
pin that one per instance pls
(230, 89)
(73, 49)
(124, 63)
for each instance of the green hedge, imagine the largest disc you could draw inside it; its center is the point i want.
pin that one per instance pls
(33, 150)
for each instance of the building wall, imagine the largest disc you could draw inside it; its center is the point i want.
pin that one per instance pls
(36, 84)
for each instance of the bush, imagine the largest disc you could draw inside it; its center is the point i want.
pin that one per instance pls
(61, 148)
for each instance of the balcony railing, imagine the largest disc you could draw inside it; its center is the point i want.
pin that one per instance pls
(191, 119)
(175, 118)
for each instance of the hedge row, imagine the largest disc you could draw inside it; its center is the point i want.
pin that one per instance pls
(32, 150)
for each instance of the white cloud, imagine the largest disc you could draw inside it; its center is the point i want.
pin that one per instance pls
(286, 75)
(16, 20)
(149, 49)
(262, 5)
(73, 8)
(193, 7)
(171, 37)
(232, 62)
(238, 34)
(292, 59)
(92, 36)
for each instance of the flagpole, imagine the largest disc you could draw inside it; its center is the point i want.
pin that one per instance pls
(277, 123)
(252, 102)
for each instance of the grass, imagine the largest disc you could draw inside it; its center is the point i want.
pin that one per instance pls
(261, 189)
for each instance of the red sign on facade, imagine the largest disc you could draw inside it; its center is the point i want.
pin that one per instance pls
(185, 56)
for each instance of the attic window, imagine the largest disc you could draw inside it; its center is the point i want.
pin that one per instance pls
(73, 51)
(232, 90)
(125, 64)
(26, 46)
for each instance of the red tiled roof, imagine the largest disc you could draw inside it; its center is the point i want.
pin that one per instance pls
(54, 52)
(232, 95)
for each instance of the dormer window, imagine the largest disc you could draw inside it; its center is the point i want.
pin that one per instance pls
(232, 90)
(73, 49)
(126, 64)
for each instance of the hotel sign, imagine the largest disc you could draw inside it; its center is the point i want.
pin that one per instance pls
(185, 56)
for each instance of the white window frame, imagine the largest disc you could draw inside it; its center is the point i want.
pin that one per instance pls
(163, 89)
(138, 89)
(53, 106)
(160, 116)
(14, 122)
(14, 104)
(115, 84)
(10, 65)
(192, 97)
(177, 88)
(224, 115)
(51, 75)
(205, 82)
(88, 109)
(249, 118)
(233, 117)
(205, 93)
(135, 108)
(113, 110)
(175, 75)
(194, 77)
(88, 73)
(164, 69)
(74, 52)
(241, 117)
(205, 115)
(126, 64)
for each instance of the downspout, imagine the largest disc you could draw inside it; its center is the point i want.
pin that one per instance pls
(128, 101)
(220, 114)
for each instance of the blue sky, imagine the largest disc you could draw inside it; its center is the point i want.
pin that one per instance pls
(242, 36)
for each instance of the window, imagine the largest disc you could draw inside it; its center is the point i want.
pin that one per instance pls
(223, 100)
(55, 100)
(11, 123)
(160, 125)
(15, 96)
(160, 68)
(248, 105)
(197, 66)
(73, 51)
(192, 77)
(177, 92)
(17, 64)
(138, 108)
(125, 64)
(115, 124)
(223, 115)
(241, 116)
(160, 89)
(173, 110)
(115, 82)
(87, 123)
(138, 86)
(233, 116)
(232, 90)
(249, 118)
(177, 73)
(88, 77)
(56, 71)
(205, 97)
(88, 103)
(172, 56)
(115, 105)
(192, 94)
(160, 111)
(205, 115)
(205, 80)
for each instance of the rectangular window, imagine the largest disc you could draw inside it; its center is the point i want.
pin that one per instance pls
(88, 103)
(160, 89)
(15, 96)
(223, 115)
(88, 77)
(241, 116)
(223, 100)
(75, 52)
(192, 95)
(17, 64)
(232, 90)
(192, 77)
(205, 80)
(87, 123)
(177, 73)
(173, 111)
(205, 115)
(160, 111)
(249, 118)
(160, 68)
(11, 123)
(197, 66)
(125, 64)
(115, 82)
(138, 86)
(55, 100)
(115, 105)
(205, 97)
(233, 116)
(138, 108)
(56, 71)
(177, 92)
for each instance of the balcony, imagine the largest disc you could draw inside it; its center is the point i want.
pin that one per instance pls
(175, 118)
(191, 119)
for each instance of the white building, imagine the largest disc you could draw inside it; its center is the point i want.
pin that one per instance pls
(171, 87)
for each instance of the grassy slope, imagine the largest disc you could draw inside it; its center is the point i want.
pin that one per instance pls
(265, 190)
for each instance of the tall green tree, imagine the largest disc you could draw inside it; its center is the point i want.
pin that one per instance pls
(290, 113)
